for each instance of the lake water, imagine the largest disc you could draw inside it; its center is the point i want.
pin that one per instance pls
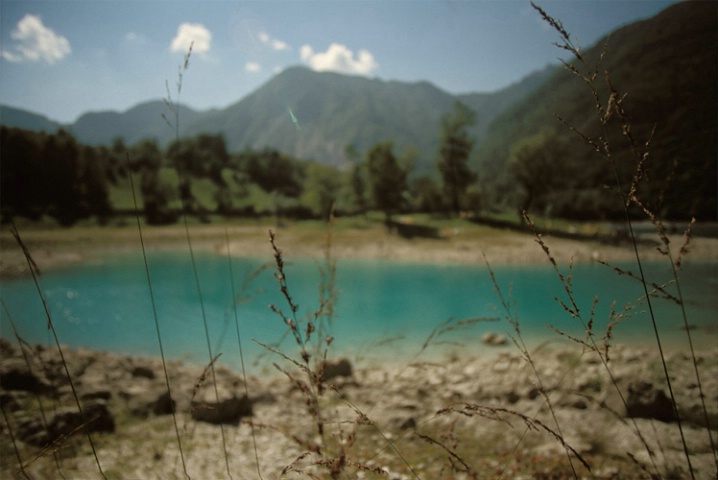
(384, 309)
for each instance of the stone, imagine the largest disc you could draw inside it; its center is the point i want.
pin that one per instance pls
(151, 400)
(96, 417)
(494, 339)
(98, 393)
(228, 409)
(16, 375)
(164, 404)
(7, 349)
(143, 372)
(646, 401)
(337, 368)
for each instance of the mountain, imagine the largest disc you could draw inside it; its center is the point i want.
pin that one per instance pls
(331, 111)
(666, 66)
(312, 115)
(489, 105)
(143, 121)
(15, 117)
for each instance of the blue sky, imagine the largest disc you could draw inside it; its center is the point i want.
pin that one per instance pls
(64, 58)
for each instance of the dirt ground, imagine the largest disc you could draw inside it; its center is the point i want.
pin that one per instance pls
(467, 244)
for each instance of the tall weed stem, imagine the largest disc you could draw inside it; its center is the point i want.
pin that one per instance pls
(32, 266)
(614, 108)
(157, 323)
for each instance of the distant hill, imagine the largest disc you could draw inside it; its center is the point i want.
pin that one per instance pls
(667, 67)
(332, 111)
(489, 105)
(15, 117)
(143, 121)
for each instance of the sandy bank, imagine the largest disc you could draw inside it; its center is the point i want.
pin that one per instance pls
(465, 245)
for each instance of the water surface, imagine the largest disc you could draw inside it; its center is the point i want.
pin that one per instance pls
(383, 308)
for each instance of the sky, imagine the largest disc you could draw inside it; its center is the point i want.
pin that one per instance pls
(63, 58)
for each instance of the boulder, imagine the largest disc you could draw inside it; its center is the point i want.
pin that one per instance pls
(16, 375)
(227, 407)
(646, 401)
(337, 368)
(151, 400)
(494, 339)
(96, 417)
(143, 371)
(7, 349)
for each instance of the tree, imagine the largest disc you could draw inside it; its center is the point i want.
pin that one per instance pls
(358, 188)
(93, 183)
(357, 180)
(454, 152)
(537, 163)
(387, 179)
(60, 178)
(21, 169)
(274, 172)
(425, 194)
(321, 189)
(156, 194)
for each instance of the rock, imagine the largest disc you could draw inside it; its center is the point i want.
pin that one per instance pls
(96, 417)
(227, 410)
(337, 368)
(143, 372)
(164, 404)
(96, 394)
(646, 401)
(494, 339)
(512, 397)
(7, 349)
(12, 401)
(16, 375)
(404, 423)
(149, 400)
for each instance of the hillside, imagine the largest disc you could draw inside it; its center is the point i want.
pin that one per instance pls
(490, 105)
(138, 123)
(332, 111)
(19, 118)
(667, 67)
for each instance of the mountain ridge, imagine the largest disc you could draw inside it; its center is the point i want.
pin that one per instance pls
(307, 114)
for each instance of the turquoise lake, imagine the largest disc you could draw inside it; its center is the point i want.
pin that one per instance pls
(384, 310)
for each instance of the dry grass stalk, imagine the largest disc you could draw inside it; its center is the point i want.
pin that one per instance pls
(641, 152)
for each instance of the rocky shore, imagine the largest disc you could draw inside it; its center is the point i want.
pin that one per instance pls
(458, 417)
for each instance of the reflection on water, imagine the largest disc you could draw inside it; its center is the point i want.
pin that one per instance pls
(384, 308)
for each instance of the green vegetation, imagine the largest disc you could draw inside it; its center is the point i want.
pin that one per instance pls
(250, 159)
(667, 66)
(454, 153)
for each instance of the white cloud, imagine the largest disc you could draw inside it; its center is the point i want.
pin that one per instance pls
(194, 34)
(34, 41)
(252, 67)
(338, 58)
(274, 43)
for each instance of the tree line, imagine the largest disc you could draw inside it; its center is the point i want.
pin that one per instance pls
(54, 175)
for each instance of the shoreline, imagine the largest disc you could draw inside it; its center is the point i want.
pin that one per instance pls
(52, 249)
